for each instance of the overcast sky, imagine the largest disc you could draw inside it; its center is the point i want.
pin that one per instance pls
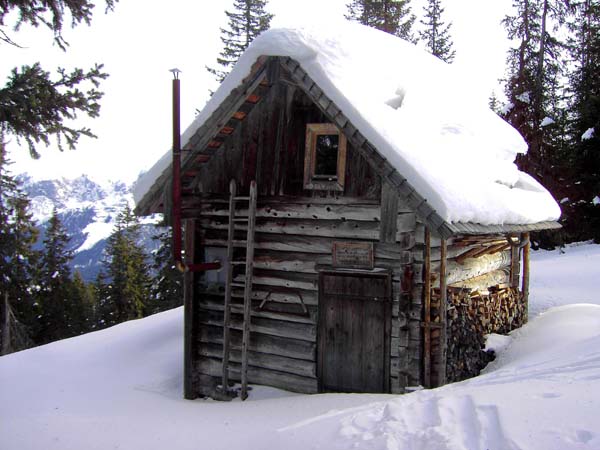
(142, 39)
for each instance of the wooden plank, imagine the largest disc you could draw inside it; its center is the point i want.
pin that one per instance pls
(262, 343)
(349, 229)
(389, 214)
(305, 244)
(313, 211)
(214, 303)
(283, 279)
(264, 360)
(291, 330)
(257, 375)
(307, 263)
(333, 200)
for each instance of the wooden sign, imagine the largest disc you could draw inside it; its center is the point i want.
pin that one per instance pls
(357, 255)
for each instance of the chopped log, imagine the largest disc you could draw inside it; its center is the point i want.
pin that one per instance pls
(471, 316)
(473, 267)
(482, 282)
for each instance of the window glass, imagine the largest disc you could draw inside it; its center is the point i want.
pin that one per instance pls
(326, 155)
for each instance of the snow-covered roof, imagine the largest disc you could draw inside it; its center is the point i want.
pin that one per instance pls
(416, 111)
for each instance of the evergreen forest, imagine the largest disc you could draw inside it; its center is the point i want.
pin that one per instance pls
(551, 95)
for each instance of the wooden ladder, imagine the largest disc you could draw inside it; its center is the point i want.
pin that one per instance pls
(250, 220)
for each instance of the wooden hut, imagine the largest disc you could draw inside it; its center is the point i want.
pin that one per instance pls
(337, 274)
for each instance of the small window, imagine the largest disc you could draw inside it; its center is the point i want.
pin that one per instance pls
(325, 157)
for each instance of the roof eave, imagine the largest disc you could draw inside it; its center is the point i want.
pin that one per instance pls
(425, 212)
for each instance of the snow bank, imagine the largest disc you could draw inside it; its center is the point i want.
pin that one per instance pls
(121, 388)
(416, 110)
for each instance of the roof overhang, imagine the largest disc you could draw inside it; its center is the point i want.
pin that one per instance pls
(206, 140)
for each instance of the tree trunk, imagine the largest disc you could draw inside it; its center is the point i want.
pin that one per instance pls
(5, 349)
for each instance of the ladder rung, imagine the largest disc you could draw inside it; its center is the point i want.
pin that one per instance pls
(237, 263)
(241, 285)
(240, 219)
(241, 198)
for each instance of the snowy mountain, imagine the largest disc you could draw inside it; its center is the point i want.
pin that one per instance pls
(88, 211)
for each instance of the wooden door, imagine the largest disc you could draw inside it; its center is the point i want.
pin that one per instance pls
(354, 331)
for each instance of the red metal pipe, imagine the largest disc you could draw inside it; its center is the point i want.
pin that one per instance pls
(177, 189)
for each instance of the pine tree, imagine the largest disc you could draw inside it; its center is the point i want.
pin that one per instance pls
(247, 21)
(56, 290)
(167, 285)
(127, 292)
(392, 16)
(82, 300)
(535, 92)
(436, 33)
(533, 84)
(34, 105)
(18, 259)
(583, 206)
(103, 308)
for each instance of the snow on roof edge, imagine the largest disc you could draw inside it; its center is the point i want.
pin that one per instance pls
(505, 196)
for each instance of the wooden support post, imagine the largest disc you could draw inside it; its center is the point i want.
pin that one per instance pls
(427, 312)
(514, 264)
(443, 315)
(189, 313)
(525, 285)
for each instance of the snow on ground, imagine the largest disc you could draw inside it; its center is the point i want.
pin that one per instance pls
(121, 388)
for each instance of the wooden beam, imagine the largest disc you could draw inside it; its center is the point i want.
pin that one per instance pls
(427, 312)
(443, 316)
(514, 265)
(389, 213)
(189, 313)
(525, 286)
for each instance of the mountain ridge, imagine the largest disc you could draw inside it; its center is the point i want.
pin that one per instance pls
(88, 210)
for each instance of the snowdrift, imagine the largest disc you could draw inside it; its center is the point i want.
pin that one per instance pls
(121, 388)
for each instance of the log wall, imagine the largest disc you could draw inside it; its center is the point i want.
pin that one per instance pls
(293, 242)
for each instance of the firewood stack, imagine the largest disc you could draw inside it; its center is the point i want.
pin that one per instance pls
(471, 316)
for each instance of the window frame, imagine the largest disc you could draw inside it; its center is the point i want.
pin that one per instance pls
(319, 182)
